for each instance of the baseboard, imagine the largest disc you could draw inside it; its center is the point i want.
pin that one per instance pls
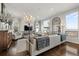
(72, 42)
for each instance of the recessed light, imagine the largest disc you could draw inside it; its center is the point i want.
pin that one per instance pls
(51, 9)
(37, 16)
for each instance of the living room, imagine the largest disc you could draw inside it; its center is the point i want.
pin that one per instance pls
(39, 29)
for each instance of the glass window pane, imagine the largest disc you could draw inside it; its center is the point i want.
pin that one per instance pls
(46, 23)
(72, 21)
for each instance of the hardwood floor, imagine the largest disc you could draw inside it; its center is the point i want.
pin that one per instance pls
(65, 49)
(57, 51)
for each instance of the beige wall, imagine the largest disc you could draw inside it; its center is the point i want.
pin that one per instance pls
(0, 7)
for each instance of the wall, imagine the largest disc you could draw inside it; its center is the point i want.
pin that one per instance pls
(0, 7)
(0, 13)
(61, 15)
(75, 37)
(23, 22)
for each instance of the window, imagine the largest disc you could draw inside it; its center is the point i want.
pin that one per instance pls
(37, 27)
(72, 21)
(45, 26)
(46, 23)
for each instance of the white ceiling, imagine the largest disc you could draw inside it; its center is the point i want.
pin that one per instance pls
(39, 10)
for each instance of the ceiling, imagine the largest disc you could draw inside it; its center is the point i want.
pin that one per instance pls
(39, 10)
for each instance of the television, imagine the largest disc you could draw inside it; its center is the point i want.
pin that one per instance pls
(27, 28)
